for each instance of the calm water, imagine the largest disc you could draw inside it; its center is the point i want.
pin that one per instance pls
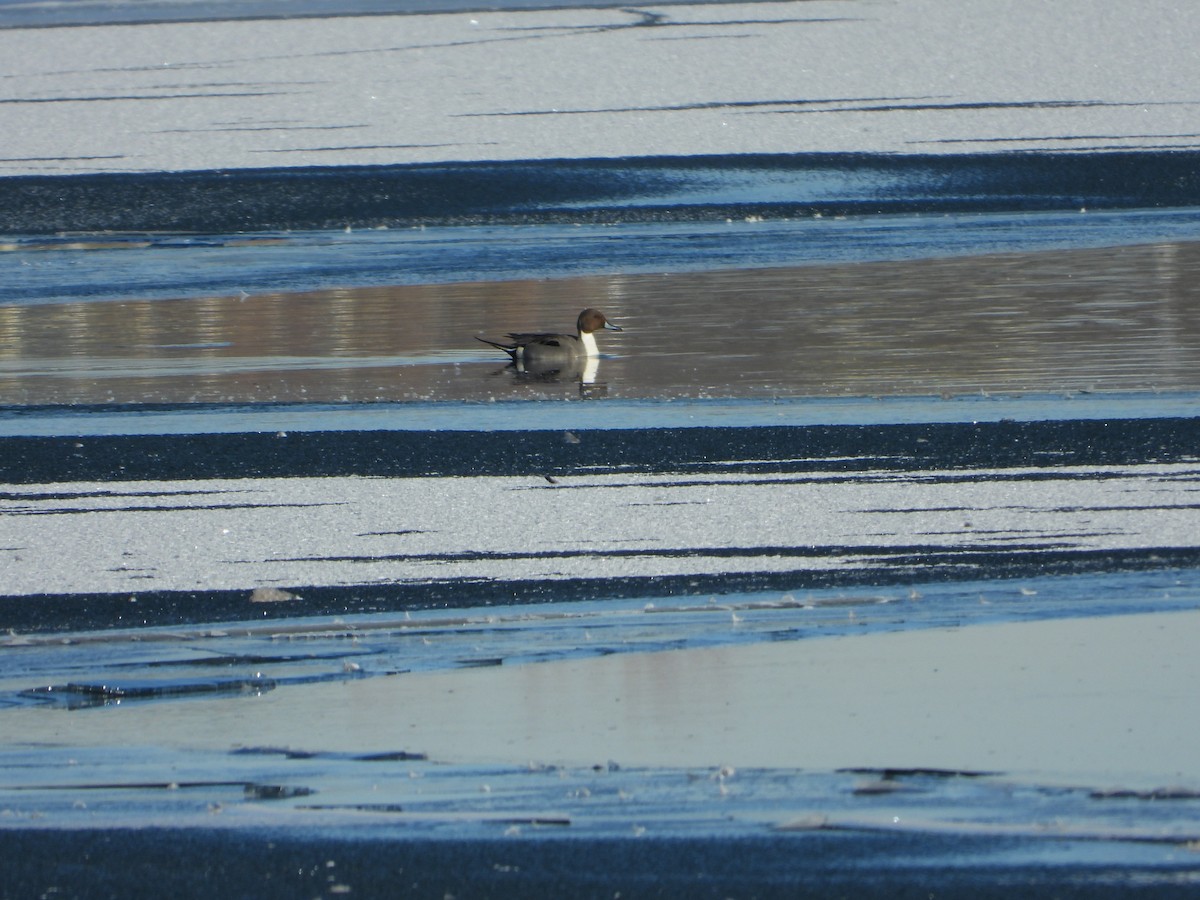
(1107, 319)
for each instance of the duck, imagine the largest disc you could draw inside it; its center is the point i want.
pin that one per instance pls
(538, 350)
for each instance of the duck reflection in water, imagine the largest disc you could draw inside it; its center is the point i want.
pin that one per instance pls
(558, 357)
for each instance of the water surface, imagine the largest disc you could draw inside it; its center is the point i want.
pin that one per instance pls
(1111, 319)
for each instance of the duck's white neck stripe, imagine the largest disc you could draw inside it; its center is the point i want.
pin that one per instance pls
(589, 344)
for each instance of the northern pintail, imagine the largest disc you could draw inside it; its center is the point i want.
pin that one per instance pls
(545, 349)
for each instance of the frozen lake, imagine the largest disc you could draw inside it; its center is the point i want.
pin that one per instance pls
(871, 537)
(339, 572)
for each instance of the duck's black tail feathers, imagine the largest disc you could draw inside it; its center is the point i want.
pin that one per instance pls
(511, 351)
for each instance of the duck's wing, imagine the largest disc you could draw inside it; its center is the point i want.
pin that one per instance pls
(543, 339)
